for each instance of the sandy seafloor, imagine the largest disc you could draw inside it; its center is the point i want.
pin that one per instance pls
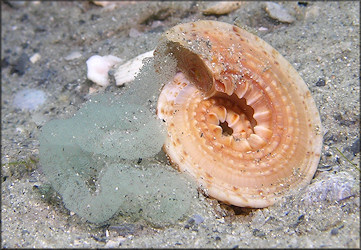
(322, 44)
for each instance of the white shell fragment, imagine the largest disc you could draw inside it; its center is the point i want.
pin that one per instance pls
(128, 71)
(278, 12)
(98, 67)
(221, 8)
(331, 188)
(34, 58)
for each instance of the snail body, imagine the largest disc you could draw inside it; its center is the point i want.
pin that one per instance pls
(239, 118)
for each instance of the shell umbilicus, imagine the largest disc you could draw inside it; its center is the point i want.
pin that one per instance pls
(240, 119)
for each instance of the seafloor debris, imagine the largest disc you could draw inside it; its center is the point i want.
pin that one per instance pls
(29, 99)
(98, 67)
(129, 70)
(221, 8)
(278, 12)
(331, 188)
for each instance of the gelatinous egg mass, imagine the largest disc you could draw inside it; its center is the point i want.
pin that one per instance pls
(239, 118)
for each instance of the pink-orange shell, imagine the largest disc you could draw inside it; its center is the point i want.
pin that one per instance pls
(240, 119)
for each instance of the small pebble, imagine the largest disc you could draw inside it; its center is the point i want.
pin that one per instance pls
(34, 58)
(195, 220)
(262, 29)
(278, 12)
(73, 55)
(328, 154)
(304, 4)
(24, 231)
(299, 220)
(29, 99)
(198, 219)
(321, 82)
(258, 233)
(94, 17)
(40, 28)
(334, 231)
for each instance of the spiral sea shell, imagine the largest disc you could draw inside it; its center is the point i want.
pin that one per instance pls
(239, 117)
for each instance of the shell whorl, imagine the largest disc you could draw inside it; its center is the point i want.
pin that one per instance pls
(239, 117)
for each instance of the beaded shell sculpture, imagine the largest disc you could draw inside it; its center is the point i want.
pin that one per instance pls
(240, 119)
